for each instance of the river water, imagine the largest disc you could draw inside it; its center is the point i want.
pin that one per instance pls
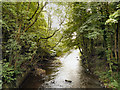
(68, 74)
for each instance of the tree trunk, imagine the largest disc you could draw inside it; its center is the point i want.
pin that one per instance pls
(92, 44)
(119, 41)
(115, 45)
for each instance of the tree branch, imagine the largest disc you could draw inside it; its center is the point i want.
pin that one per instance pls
(51, 35)
(34, 12)
(57, 43)
(54, 32)
(17, 36)
(35, 18)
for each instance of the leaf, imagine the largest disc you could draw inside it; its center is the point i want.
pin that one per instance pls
(115, 14)
(115, 84)
(110, 21)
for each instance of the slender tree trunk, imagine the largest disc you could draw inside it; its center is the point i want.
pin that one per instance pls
(18, 35)
(115, 45)
(109, 60)
(112, 45)
(119, 41)
(111, 55)
(105, 44)
(103, 25)
(92, 51)
(32, 58)
(15, 65)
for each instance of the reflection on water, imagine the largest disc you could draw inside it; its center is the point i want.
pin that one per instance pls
(58, 76)
(71, 70)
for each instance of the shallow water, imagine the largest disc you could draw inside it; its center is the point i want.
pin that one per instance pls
(56, 75)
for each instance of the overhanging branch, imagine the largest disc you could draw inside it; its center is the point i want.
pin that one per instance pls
(36, 18)
(34, 12)
(54, 31)
(57, 43)
(51, 35)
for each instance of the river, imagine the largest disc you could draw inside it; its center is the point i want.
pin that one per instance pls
(68, 74)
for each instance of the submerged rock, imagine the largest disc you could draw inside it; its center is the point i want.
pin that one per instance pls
(52, 81)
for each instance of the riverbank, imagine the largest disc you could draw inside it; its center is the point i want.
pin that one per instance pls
(35, 69)
(100, 69)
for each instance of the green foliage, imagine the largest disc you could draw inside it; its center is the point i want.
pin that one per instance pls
(18, 47)
(109, 81)
(8, 73)
(113, 18)
(24, 28)
(94, 27)
(29, 35)
(93, 35)
(115, 14)
(111, 21)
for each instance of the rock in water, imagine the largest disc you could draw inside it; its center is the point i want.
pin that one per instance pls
(52, 81)
(68, 81)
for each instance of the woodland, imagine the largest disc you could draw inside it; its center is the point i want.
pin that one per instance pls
(30, 35)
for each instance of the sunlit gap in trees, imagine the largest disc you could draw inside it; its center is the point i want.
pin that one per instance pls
(55, 15)
(74, 35)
